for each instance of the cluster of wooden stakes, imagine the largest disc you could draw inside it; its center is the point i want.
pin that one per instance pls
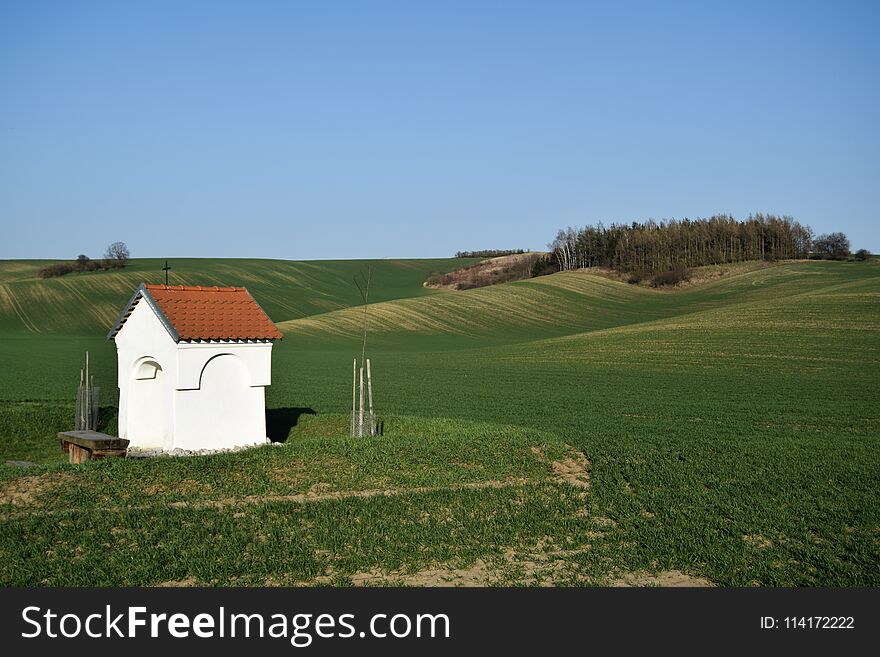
(363, 421)
(87, 400)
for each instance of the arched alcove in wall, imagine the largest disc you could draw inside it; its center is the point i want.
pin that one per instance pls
(225, 365)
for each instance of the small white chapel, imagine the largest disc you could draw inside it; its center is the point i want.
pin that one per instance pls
(193, 366)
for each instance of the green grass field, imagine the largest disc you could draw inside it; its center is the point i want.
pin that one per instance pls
(569, 429)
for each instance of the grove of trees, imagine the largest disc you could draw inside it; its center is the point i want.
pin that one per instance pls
(834, 246)
(652, 247)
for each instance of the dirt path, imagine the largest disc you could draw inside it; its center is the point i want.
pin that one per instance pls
(27, 491)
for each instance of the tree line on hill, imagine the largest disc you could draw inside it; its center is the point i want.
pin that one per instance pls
(488, 253)
(666, 249)
(116, 257)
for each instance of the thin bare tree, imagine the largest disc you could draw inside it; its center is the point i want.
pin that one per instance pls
(363, 287)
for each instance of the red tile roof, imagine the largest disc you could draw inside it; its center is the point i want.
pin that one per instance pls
(207, 313)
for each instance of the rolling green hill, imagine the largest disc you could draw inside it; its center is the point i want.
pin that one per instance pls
(564, 304)
(731, 431)
(85, 303)
(47, 325)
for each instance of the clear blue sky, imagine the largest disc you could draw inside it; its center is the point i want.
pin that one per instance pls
(393, 129)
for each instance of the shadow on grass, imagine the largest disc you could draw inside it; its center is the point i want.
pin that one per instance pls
(279, 421)
(107, 420)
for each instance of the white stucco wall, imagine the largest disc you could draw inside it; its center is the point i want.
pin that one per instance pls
(225, 411)
(143, 338)
(204, 396)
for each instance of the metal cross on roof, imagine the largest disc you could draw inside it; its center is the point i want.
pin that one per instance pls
(166, 269)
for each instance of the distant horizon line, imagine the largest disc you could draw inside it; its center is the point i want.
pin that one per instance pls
(310, 259)
(353, 259)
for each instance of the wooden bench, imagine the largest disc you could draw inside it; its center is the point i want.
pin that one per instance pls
(86, 445)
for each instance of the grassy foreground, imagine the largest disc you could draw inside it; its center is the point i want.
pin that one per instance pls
(729, 432)
(318, 509)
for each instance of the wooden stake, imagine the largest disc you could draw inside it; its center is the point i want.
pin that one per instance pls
(88, 399)
(361, 422)
(353, 395)
(79, 399)
(370, 395)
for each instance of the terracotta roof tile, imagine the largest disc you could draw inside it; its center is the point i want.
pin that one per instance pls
(213, 313)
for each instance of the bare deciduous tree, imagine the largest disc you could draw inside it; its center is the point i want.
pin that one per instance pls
(118, 251)
(363, 287)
